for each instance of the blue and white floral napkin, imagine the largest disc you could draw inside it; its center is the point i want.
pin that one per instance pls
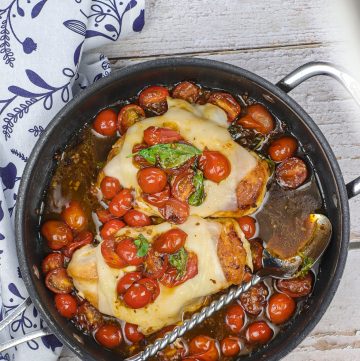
(44, 60)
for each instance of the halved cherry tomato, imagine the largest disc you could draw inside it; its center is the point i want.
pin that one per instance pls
(104, 215)
(259, 333)
(175, 211)
(111, 258)
(226, 102)
(152, 180)
(170, 241)
(291, 173)
(134, 218)
(182, 185)
(204, 348)
(82, 239)
(187, 91)
(88, 318)
(57, 234)
(153, 98)
(247, 225)
(155, 264)
(282, 148)
(137, 296)
(51, 262)
(296, 287)
(110, 187)
(256, 253)
(66, 305)
(280, 308)
(138, 160)
(109, 336)
(110, 228)
(258, 118)
(105, 122)
(230, 346)
(126, 281)
(152, 286)
(132, 332)
(58, 281)
(127, 250)
(74, 216)
(254, 300)
(128, 116)
(216, 166)
(121, 203)
(234, 318)
(156, 135)
(158, 199)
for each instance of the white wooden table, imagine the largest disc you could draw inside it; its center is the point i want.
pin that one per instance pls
(271, 38)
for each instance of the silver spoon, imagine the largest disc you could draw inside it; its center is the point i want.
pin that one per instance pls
(272, 267)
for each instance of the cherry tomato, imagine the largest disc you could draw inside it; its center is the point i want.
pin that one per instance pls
(104, 215)
(282, 148)
(105, 122)
(57, 234)
(254, 300)
(137, 296)
(58, 281)
(152, 286)
(230, 346)
(182, 185)
(74, 216)
(127, 250)
(111, 258)
(88, 318)
(152, 179)
(110, 228)
(175, 211)
(158, 199)
(156, 135)
(226, 102)
(280, 308)
(134, 218)
(110, 187)
(259, 333)
(155, 264)
(291, 173)
(109, 336)
(138, 160)
(82, 239)
(121, 203)
(256, 253)
(204, 348)
(128, 116)
(170, 241)
(216, 166)
(132, 333)
(66, 305)
(259, 119)
(234, 318)
(247, 225)
(153, 98)
(126, 281)
(296, 287)
(51, 262)
(187, 91)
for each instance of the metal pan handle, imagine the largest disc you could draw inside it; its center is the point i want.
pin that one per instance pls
(311, 69)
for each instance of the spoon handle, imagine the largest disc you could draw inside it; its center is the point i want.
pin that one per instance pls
(196, 318)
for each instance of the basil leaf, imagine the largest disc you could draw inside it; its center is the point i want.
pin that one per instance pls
(179, 261)
(142, 245)
(307, 263)
(199, 195)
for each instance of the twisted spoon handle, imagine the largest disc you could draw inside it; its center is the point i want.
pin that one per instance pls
(196, 318)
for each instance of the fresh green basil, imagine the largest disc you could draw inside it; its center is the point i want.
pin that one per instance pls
(142, 245)
(179, 261)
(198, 196)
(307, 263)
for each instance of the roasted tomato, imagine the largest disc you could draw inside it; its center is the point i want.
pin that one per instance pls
(204, 348)
(280, 308)
(234, 318)
(105, 122)
(247, 225)
(230, 346)
(152, 180)
(254, 300)
(121, 203)
(58, 281)
(109, 336)
(127, 250)
(187, 91)
(291, 173)
(132, 333)
(110, 187)
(296, 287)
(175, 211)
(127, 280)
(259, 119)
(226, 102)
(74, 216)
(88, 318)
(182, 185)
(153, 99)
(82, 239)
(66, 305)
(111, 258)
(282, 148)
(57, 234)
(170, 241)
(158, 199)
(52, 261)
(156, 135)
(104, 215)
(152, 286)
(259, 333)
(134, 218)
(137, 296)
(138, 160)
(110, 228)
(216, 166)
(128, 116)
(256, 253)
(155, 264)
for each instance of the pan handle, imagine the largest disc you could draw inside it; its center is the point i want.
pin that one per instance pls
(311, 69)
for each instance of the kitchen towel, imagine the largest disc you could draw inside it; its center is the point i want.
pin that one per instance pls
(46, 56)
